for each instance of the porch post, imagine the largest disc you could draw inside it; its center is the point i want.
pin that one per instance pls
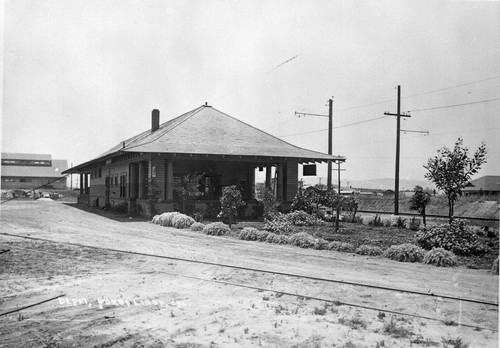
(292, 180)
(279, 186)
(86, 183)
(142, 179)
(268, 176)
(81, 184)
(169, 181)
(134, 183)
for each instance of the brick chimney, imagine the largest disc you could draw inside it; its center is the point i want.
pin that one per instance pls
(155, 120)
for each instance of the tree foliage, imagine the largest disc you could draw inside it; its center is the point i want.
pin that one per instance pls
(419, 201)
(188, 189)
(230, 202)
(451, 169)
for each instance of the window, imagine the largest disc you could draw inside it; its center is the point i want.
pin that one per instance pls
(24, 180)
(99, 173)
(9, 180)
(123, 185)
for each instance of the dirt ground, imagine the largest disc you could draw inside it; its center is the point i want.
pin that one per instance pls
(112, 299)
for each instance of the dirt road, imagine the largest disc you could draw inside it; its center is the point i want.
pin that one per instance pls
(116, 299)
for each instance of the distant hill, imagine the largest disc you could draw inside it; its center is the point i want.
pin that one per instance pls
(388, 184)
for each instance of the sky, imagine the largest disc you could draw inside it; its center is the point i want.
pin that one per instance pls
(79, 77)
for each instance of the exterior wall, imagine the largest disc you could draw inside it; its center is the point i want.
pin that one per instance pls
(161, 170)
(32, 183)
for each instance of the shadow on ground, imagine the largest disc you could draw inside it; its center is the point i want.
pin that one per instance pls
(119, 217)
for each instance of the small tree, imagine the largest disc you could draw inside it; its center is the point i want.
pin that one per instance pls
(188, 189)
(419, 201)
(451, 170)
(230, 202)
(153, 196)
(268, 201)
(317, 196)
(300, 202)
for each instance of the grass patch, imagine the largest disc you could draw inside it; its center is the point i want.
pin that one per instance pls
(396, 331)
(455, 343)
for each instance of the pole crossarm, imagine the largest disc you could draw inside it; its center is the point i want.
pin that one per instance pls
(302, 114)
(414, 131)
(400, 115)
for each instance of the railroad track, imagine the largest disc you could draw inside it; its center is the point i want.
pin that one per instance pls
(278, 273)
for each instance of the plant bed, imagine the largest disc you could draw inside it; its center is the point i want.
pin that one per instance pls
(382, 237)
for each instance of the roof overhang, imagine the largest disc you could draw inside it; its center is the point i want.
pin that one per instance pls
(108, 159)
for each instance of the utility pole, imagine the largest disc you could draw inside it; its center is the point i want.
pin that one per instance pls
(330, 134)
(330, 130)
(398, 131)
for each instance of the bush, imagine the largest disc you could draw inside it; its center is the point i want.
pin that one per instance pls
(302, 239)
(320, 244)
(262, 236)
(341, 246)
(456, 237)
(405, 253)
(400, 222)
(414, 224)
(300, 218)
(369, 250)
(197, 226)
(276, 238)
(494, 268)
(440, 257)
(165, 219)
(216, 229)
(198, 217)
(230, 202)
(248, 233)
(279, 224)
(156, 219)
(182, 221)
(377, 221)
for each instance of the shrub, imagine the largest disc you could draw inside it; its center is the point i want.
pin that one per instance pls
(414, 224)
(262, 235)
(276, 238)
(405, 253)
(494, 268)
(156, 219)
(216, 229)
(197, 226)
(300, 218)
(279, 224)
(377, 221)
(320, 244)
(456, 237)
(400, 222)
(302, 239)
(198, 217)
(341, 246)
(182, 221)
(165, 219)
(440, 257)
(230, 202)
(369, 250)
(248, 233)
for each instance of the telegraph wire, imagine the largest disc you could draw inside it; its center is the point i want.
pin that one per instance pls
(451, 87)
(455, 105)
(342, 126)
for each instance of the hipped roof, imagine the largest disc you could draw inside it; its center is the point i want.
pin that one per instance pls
(208, 131)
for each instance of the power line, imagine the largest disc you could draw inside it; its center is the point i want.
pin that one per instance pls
(344, 125)
(451, 87)
(455, 105)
